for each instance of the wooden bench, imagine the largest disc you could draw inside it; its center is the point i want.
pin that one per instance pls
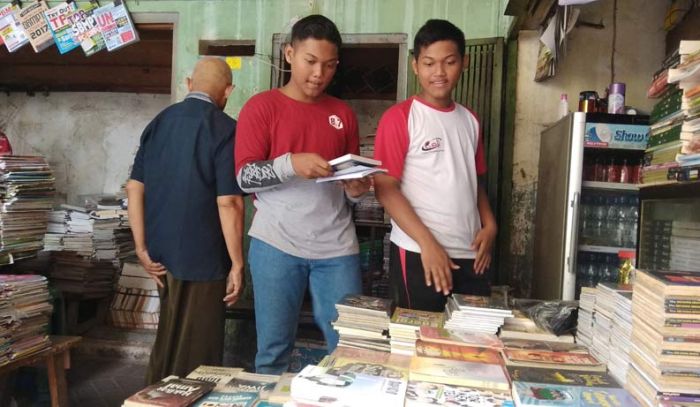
(57, 360)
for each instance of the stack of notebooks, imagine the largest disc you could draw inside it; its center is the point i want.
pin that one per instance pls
(605, 303)
(586, 316)
(25, 311)
(363, 322)
(665, 353)
(405, 325)
(475, 313)
(26, 197)
(135, 303)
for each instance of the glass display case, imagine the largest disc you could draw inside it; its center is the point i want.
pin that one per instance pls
(669, 232)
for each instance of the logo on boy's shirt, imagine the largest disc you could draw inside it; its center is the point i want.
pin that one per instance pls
(335, 121)
(432, 145)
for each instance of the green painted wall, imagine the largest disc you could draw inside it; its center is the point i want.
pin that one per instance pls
(260, 19)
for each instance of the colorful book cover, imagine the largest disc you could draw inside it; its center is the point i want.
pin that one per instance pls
(566, 358)
(541, 394)
(11, 31)
(562, 377)
(478, 302)
(684, 278)
(405, 316)
(250, 382)
(60, 20)
(370, 362)
(35, 25)
(215, 374)
(458, 352)
(116, 26)
(318, 384)
(218, 399)
(171, 392)
(442, 335)
(424, 394)
(378, 305)
(87, 33)
(459, 373)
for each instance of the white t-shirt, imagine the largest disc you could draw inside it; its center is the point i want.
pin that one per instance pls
(437, 154)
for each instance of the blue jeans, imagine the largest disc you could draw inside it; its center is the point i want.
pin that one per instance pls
(279, 285)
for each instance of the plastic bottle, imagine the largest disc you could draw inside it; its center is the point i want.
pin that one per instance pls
(633, 220)
(623, 214)
(585, 219)
(599, 220)
(610, 232)
(563, 105)
(616, 98)
(624, 172)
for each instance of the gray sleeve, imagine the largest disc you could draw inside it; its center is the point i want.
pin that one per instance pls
(263, 175)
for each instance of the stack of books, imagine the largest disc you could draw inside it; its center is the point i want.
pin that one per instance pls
(475, 313)
(684, 243)
(136, 303)
(521, 326)
(405, 325)
(80, 275)
(604, 313)
(112, 235)
(26, 197)
(687, 75)
(55, 230)
(621, 336)
(665, 351)
(586, 316)
(79, 226)
(363, 322)
(25, 311)
(655, 247)
(454, 337)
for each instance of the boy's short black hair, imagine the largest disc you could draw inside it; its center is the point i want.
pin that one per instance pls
(317, 27)
(438, 30)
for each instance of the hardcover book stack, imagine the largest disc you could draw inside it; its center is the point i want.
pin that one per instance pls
(363, 322)
(405, 325)
(586, 316)
(25, 311)
(665, 351)
(26, 197)
(475, 313)
(136, 303)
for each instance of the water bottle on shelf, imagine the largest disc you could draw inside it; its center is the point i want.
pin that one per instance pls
(633, 220)
(611, 222)
(621, 234)
(584, 220)
(599, 220)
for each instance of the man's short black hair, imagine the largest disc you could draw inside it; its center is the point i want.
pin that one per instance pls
(438, 30)
(317, 27)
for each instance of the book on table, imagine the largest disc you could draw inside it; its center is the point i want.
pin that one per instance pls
(172, 391)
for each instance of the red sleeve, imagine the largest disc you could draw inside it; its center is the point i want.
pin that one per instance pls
(252, 134)
(479, 157)
(391, 141)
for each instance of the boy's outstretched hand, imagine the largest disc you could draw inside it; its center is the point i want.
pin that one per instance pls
(483, 242)
(310, 165)
(357, 187)
(437, 267)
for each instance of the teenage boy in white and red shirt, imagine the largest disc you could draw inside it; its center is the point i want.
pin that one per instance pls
(302, 233)
(443, 226)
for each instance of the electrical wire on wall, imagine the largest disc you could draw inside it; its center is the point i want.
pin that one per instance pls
(614, 42)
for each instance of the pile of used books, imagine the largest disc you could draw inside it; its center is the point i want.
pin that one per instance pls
(135, 303)
(475, 313)
(26, 197)
(605, 302)
(586, 316)
(25, 311)
(79, 275)
(363, 322)
(405, 325)
(665, 353)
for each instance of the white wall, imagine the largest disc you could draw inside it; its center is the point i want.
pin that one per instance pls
(639, 52)
(89, 138)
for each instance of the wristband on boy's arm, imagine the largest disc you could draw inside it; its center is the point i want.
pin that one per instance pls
(266, 174)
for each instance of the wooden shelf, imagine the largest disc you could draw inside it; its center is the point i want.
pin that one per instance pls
(672, 190)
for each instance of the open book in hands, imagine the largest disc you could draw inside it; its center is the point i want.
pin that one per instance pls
(351, 166)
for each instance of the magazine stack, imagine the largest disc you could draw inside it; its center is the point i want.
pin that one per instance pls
(604, 314)
(405, 326)
(586, 316)
(363, 322)
(475, 313)
(135, 303)
(621, 336)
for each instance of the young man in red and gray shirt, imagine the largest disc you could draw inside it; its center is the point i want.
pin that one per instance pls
(443, 227)
(302, 233)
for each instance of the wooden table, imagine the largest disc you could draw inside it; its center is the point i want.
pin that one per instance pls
(57, 360)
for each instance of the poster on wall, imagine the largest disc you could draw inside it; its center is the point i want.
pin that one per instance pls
(34, 24)
(60, 21)
(87, 32)
(11, 30)
(116, 25)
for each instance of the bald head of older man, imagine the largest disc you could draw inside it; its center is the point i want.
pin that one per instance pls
(213, 77)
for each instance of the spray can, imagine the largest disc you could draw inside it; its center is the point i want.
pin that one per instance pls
(616, 98)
